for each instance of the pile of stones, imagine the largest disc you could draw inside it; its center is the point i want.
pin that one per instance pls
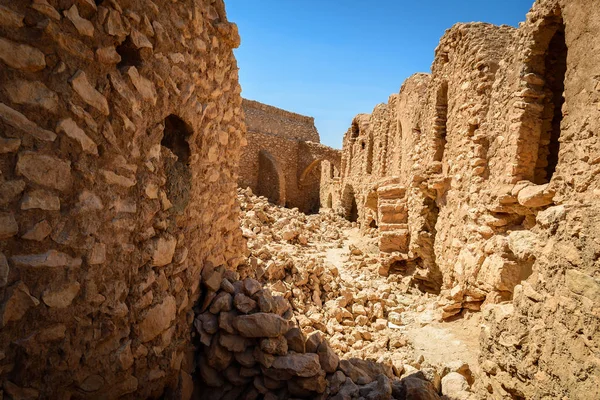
(250, 348)
(289, 324)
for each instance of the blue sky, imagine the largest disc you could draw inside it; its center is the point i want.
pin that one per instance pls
(333, 59)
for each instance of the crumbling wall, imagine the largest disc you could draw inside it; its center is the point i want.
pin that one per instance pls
(545, 344)
(488, 195)
(292, 142)
(121, 124)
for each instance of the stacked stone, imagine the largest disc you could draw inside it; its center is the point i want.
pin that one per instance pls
(264, 222)
(250, 349)
(120, 130)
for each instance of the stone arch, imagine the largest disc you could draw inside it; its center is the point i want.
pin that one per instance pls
(538, 136)
(308, 170)
(175, 139)
(271, 180)
(311, 178)
(349, 204)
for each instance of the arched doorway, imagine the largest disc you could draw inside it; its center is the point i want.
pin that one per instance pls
(544, 72)
(309, 186)
(271, 181)
(349, 204)
(179, 177)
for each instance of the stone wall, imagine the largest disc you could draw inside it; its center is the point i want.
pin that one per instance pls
(120, 129)
(282, 158)
(481, 180)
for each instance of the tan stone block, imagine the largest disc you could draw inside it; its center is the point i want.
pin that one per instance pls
(40, 199)
(19, 121)
(164, 249)
(8, 225)
(108, 55)
(583, 284)
(72, 130)
(18, 303)
(158, 319)
(45, 8)
(88, 93)
(31, 93)
(83, 26)
(38, 232)
(62, 297)
(45, 170)
(21, 56)
(49, 259)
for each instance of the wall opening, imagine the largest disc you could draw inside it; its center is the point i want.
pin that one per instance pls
(355, 130)
(370, 156)
(176, 136)
(309, 185)
(179, 177)
(353, 214)
(130, 54)
(329, 201)
(555, 68)
(270, 179)
(441, 122)
(349, 204)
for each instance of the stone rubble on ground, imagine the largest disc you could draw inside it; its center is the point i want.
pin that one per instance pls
(288, 324)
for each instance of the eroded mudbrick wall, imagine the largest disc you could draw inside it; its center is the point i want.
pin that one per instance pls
(282, 158)
(481, 179)
(120, 128)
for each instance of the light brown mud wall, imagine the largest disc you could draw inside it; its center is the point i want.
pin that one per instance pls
(494, 156)
(120, 130)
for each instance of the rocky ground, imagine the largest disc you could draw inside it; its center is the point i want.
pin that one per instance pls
(309, 316)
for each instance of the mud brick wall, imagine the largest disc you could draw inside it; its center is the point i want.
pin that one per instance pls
(120, 130)
(282, 157)
(481, 180)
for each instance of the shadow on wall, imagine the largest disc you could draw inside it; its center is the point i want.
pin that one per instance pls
(349, 204)
(179, 176)
(272, 181)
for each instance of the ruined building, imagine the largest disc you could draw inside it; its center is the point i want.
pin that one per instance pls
(283, 156)
(121, 124)
(121, 131)
(482, 181)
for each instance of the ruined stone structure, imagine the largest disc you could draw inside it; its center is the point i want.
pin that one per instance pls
(482, 181)
(121, 128)
(283, 156)
(121, 124)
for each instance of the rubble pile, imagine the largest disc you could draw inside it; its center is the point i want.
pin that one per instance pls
(337, 333)
(251, 348)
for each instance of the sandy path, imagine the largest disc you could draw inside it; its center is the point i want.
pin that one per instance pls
(438, 342)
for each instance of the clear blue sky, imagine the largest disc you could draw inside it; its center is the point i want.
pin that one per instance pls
(333, 59)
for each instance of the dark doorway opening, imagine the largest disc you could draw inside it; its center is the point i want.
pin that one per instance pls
(353, 215)
(555, 72)
(179, 177)
(269, 182)
(441, 122)
(130, 54)
(370, 156)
